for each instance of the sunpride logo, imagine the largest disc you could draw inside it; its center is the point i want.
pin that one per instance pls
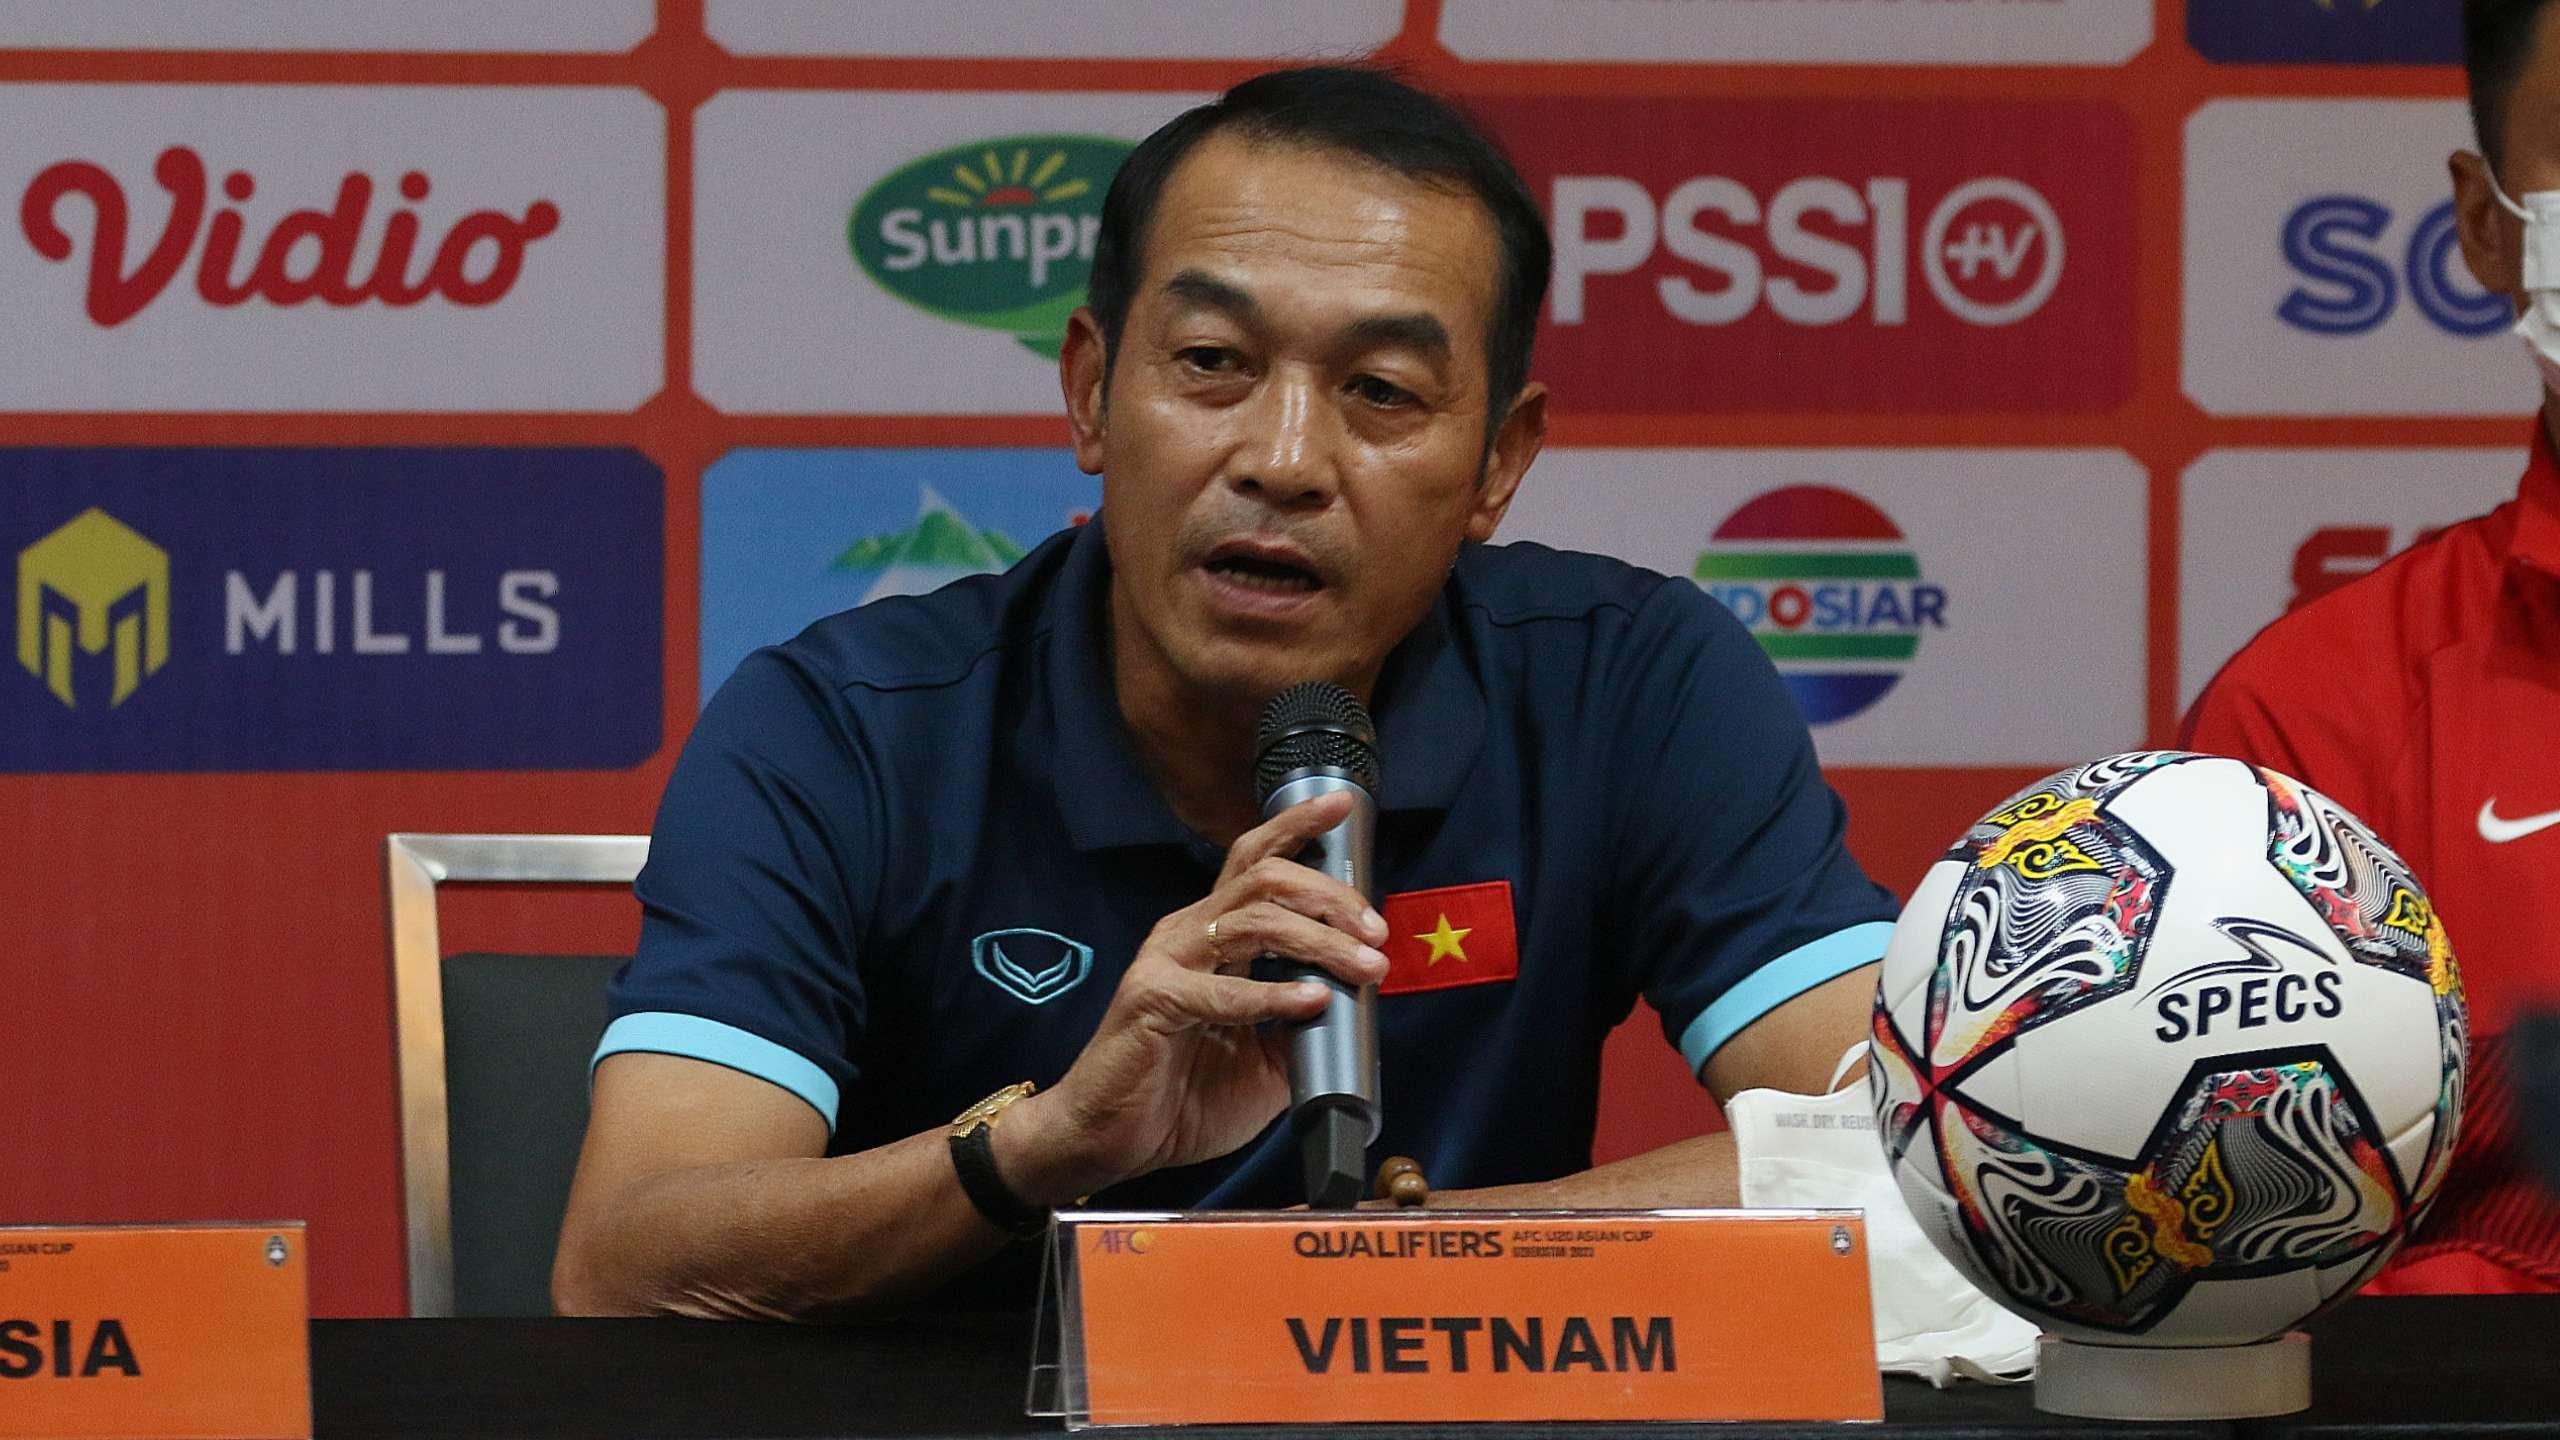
(996, 233)
(1831, 591)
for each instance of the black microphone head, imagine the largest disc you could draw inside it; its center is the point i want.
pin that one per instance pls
(1316, 725)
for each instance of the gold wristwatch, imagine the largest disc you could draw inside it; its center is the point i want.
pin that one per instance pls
(973, 1156)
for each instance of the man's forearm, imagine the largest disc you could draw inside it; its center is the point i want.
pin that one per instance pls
(776, 1239)
(1699, 1171)
(800, 1238)
(803, 1238)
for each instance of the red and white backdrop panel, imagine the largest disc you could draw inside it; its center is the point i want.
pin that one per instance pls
(413, 406)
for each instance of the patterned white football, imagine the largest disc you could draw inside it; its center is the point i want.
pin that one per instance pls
(2169, 1051)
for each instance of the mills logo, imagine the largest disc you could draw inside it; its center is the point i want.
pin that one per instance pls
(318, 609)
(114, 584)
(996, 233)
(309, 254)
(1826, 583)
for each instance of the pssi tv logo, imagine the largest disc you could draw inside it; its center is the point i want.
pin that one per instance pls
(2351, 281)
(307, 255)
(1838, 255)
(1829, 587)
(1990, 250)
(92, 583)
(996, 233)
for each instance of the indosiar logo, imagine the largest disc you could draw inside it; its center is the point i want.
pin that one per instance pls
(996, 233)
(1829, 587)
(93, 583)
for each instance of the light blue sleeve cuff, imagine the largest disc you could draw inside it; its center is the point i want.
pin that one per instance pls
(1779, 981)
(661, 1032)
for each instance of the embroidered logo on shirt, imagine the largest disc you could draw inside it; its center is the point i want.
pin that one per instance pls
(1033, 966)
(1458, 935)
(2499, 831)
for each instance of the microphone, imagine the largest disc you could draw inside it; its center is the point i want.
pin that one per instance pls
(1315, 739)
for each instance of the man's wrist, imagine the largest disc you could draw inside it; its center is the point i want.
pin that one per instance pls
(1039, 1155)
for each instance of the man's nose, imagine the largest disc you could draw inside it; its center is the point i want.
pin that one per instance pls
(1289, 455)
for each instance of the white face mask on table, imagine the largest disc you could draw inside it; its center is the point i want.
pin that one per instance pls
(1819, 1152)
(2539, 326)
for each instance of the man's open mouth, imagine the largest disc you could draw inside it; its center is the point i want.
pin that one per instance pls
(1263, 570)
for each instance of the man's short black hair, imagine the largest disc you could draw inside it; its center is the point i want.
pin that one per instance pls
(1372, 116)
(2497, 38)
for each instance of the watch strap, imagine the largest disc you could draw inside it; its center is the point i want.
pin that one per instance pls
(973, 1156)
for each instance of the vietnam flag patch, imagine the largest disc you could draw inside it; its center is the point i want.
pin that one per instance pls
(1441, 939)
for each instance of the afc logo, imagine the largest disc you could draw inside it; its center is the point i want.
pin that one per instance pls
(1117, 1241)
(89, 583)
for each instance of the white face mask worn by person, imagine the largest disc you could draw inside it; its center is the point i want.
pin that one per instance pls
(2539, 326)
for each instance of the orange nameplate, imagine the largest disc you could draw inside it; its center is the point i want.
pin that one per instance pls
(169, 1331)
(1491, 1315)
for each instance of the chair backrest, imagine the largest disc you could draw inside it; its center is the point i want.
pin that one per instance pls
(2535, 1042)
(492, 1053)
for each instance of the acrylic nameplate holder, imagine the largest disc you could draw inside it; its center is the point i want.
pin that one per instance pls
(1346, 1316)
(179, 1331)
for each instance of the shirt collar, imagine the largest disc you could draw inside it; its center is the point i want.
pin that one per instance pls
(2537, 535)
(1429, 709)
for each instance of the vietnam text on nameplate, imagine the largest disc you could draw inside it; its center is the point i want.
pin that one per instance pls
(1681, 1315)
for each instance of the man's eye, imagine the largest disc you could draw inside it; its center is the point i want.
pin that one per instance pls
(1379, 392)
(1208, 359)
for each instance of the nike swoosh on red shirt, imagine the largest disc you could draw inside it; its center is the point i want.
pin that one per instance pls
(2499, 832)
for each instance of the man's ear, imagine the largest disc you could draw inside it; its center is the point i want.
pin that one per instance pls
(1083, 368)
(2492, 237)
(1515, 444)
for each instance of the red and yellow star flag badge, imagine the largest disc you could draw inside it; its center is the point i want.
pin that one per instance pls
(1440, 939)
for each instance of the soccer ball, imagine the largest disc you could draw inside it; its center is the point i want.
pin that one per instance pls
(2169, 1051)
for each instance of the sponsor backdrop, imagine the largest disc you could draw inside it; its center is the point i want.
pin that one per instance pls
(415, 408)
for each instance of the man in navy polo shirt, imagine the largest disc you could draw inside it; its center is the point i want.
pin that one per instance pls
(1003, 838)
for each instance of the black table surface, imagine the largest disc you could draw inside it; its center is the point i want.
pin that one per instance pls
(2474, 1366)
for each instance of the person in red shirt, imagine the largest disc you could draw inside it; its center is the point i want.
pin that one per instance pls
(2425, 697)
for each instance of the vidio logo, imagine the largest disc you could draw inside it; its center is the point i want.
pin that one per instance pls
(89, 583)
(996, 233)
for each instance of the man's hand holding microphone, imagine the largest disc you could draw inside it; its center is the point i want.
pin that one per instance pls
(1195, 1056)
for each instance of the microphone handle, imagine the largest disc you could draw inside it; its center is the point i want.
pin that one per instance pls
(1333, 1058)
